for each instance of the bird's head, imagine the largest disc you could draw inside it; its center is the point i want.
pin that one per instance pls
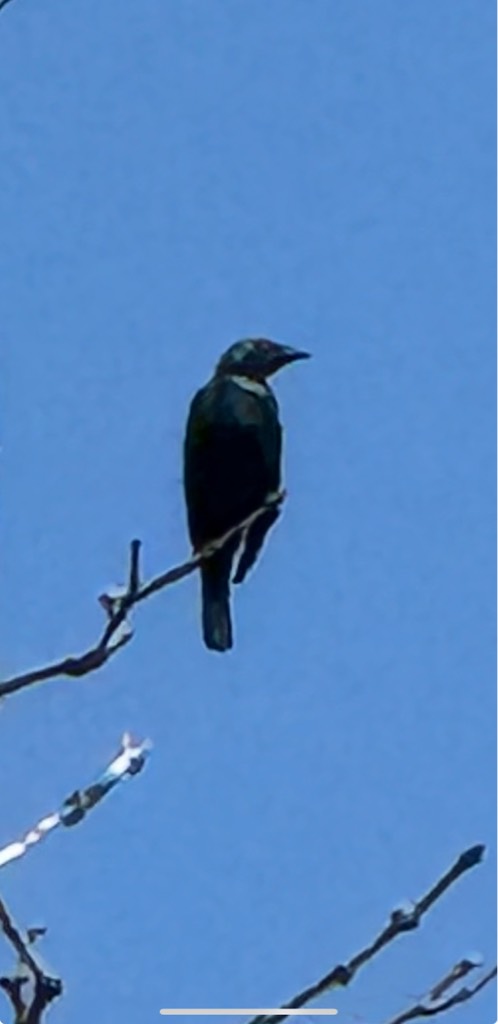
(257, 358)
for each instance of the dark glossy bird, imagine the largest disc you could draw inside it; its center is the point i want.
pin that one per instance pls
(232, 463)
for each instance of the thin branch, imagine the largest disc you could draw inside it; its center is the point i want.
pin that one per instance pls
(129, 760)
(30, 976)
(458, 971)
(401, 921)
(134, 580)
(3, 3)
(432, 1007)
(118, 632)
(30, 973)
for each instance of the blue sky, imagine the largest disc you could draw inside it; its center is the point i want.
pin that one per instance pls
(175, 176)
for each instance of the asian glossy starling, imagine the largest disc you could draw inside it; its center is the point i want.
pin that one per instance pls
(232, 457)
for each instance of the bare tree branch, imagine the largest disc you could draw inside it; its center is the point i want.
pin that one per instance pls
(457, 972)
(117, 632)
(3, 3)
(432, 1006)
(129, 760)
(29, 974)
(400, 921)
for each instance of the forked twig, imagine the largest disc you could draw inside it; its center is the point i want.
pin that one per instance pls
(432, 1006)
(30, 974)
(117, 631)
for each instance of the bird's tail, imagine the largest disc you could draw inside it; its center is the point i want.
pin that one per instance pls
(216, 620)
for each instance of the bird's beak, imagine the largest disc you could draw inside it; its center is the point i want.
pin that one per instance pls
(291, 355)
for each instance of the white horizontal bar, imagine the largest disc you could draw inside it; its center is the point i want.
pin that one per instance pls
(252, 1013)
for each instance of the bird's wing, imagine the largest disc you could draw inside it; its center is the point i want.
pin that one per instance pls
(253, 542)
